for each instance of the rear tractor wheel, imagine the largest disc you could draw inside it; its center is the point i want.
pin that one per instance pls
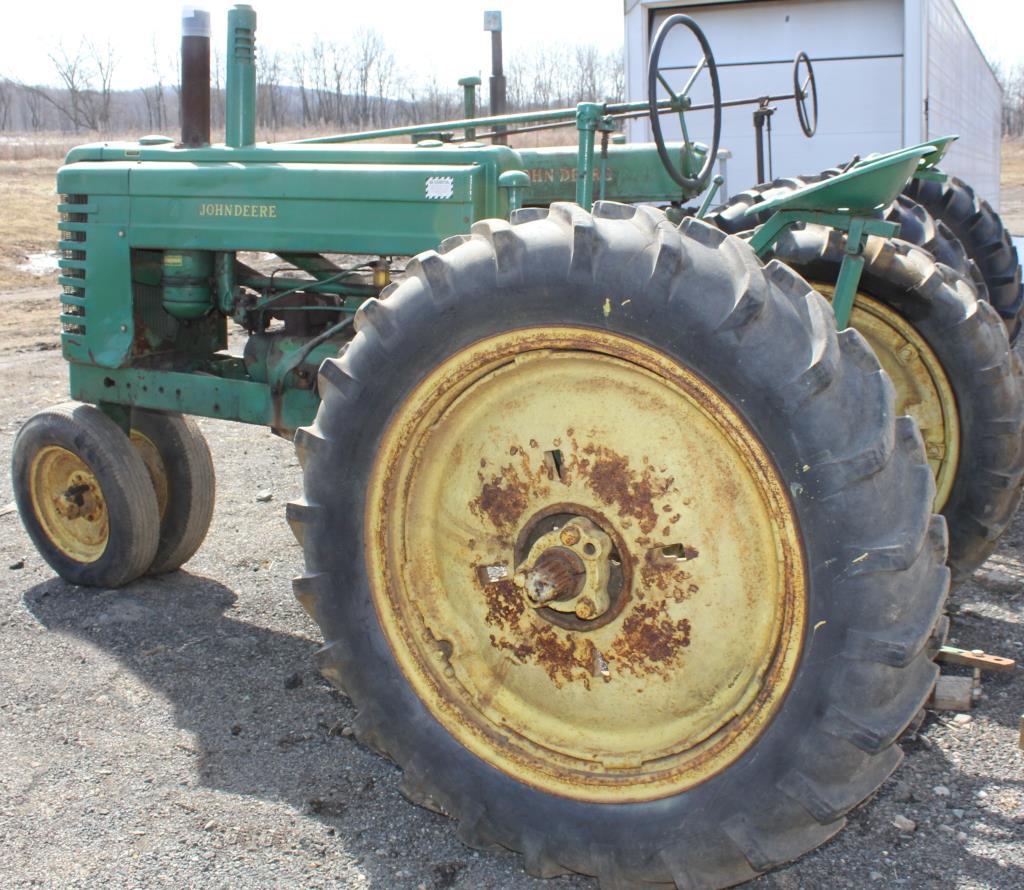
(985, 238)
(954, 373)
(85, 496)
(631, 567)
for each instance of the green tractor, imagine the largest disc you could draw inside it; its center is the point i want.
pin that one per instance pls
(620, 537)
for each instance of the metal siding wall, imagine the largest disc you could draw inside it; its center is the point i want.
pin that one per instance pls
(857, 50)
(963, 97)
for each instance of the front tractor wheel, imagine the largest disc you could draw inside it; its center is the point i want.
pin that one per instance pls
(85, 496)
(181, 469)
(631, 567)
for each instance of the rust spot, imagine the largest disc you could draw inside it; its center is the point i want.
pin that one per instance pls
(502, 499)
(140, 338)
(505, 604)
(665, 574)
(521, 651)
(614, 482)
(533, 443)
(565, 659)
(651, 641)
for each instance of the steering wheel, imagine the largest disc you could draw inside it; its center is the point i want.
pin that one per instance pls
(804, 91)
(683, 173)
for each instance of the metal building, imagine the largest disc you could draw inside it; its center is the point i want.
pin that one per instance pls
(889, 73)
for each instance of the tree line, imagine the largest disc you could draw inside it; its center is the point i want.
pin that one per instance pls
(325, 86)
(1011, 79)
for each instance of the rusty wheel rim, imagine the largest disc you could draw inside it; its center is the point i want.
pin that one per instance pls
(68, 504)
(687, 662)
(922, 388)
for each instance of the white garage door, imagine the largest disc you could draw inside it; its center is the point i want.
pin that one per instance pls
(857, 50)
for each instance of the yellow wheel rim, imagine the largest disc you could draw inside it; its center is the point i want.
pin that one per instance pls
(521, 436)
(68, 504)
(922, 388)
(150, 455)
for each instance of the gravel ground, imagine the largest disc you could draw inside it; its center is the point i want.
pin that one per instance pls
(175, 733)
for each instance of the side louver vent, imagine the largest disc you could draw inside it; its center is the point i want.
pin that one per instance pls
(74, 216)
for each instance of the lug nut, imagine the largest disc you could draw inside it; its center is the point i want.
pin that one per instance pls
(570, 535)
(585, 608)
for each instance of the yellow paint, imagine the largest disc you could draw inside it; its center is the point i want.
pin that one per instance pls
(612, 709)
(68, 504)
(922, 387)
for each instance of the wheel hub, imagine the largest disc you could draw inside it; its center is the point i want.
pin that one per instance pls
(568, 569)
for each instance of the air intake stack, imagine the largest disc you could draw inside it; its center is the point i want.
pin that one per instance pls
(240, 105)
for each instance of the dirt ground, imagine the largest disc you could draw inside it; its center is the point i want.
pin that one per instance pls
(175, 732)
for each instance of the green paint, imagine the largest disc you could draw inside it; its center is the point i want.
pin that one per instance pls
(149, 235)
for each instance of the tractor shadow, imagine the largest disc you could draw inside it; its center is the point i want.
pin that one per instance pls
(263, 723)
(266, 725)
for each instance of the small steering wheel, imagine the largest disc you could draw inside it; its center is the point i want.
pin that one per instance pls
(804, 91)
(683, 172)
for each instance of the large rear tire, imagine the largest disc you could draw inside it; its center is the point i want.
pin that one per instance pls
(985, 238)
(954, 371)
(754, 508)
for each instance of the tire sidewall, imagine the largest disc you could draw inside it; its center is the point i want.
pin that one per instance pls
(108, 459)
(338, 544)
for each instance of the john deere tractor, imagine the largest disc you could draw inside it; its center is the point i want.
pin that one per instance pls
(627, 535)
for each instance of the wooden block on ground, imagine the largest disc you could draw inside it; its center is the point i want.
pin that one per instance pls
(952, 694)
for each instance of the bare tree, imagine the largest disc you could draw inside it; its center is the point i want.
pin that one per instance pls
(269, 97)
(153, 95)
(1012, 82)
(217, 98)
(76, 101)
(6, 102)
(587, 74)
(104, 63)
(614, 76)
(35, 108)
(300, 73)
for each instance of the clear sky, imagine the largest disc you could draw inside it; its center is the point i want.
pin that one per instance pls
(440, 37)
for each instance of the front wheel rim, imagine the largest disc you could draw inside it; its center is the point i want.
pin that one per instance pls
(691, 654)
(68, 504)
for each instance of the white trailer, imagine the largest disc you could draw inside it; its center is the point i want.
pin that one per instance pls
(890, 73)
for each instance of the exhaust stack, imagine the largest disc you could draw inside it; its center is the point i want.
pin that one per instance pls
(195, 77)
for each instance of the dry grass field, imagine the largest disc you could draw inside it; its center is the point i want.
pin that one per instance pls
(28, 224)
(1012, 182)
